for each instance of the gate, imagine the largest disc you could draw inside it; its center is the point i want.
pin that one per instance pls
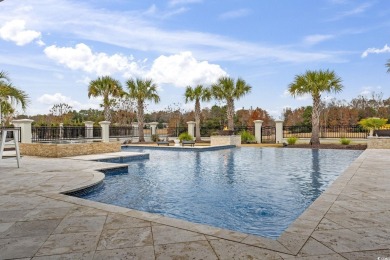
(268, 134)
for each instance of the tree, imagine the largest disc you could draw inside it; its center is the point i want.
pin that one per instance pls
(62, 113)
(9, 95)
(228, 89)
(315, 83)
(372, 123)
(142, 90)
(108, 88)
(197, 94)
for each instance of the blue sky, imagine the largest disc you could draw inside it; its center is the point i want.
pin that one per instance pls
(53, 48)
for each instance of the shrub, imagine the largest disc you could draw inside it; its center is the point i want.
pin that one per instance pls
(186, 137)
(247, 137)
(155, 138)
(345, 141)
(373, 122)
(292, 140)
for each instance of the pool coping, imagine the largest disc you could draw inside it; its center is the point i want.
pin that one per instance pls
(290, 242)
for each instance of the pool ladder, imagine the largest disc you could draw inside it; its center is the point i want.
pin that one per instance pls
(15, 137)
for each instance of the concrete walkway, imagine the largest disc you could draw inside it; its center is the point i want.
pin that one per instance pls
(350, 220)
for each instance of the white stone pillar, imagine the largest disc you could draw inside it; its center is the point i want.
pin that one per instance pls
(61, 130)
(258, 125)
(279, 131)
(25, 129)
(191, 128)
(105, 131)
(153, 126)
(88, 129)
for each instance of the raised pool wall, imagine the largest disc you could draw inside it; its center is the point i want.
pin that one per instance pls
(66, 150)
(217, 140)
(378, 142)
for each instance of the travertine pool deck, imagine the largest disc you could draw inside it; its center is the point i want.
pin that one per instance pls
(350, 220)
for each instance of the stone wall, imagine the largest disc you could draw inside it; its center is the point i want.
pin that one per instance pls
(378, 143)
(216, 140)
(65, 150)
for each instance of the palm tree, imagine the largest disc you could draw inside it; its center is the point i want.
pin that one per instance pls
(142, 90)
(9, 94)
(315, 83)
(199, 93)
(388, 66)
(229, 90)
(108, 88)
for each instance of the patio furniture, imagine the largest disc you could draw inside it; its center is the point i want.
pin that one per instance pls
(192, 143)
(163, 143)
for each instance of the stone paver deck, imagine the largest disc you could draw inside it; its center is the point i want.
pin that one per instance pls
(350, 220)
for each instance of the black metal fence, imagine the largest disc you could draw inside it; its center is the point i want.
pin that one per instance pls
(10, 134)
(52, 134)
(123, 131)
(345, 131)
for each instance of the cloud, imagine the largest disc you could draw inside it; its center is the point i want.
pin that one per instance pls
(154, 12)
(368, 91)
(183, 2)
(286, 94)
(317, 38)
(15, 31)
(234, 14)
(81, 57)
(385, 49)
(183, 69)
(144, 31)
(355, 11)
(57, 98)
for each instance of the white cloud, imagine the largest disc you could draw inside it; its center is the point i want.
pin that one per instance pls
(183, 2)
(317, 38)
(57, 98)
(183, 69)
(369, 90)
(135, 30)
(15, 31)
(81, 57)
(385, 49)
(234, 14)
(286, 93)
(355, 11)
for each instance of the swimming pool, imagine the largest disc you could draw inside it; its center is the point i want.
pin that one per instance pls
(250, 190)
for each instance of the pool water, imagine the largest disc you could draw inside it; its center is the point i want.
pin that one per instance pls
(250, 190)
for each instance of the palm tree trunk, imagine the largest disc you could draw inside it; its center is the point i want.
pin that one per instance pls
(140, 118)
(315, 121)
(107, 113)
(230, 113)
(197, 120)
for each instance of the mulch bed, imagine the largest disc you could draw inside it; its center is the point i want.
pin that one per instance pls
(330, 146)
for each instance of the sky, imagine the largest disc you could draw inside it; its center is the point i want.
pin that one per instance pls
(52, 49)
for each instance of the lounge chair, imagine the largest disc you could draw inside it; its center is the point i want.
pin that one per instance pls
(163, 143)
(192, 143)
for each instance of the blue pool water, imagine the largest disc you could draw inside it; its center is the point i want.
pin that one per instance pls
(250, 190)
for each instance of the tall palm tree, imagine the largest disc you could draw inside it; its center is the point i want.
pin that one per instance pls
(142, 90)
(315, 83)
(388, 66)
(199, 93)
(9, 94)
(108, 88)
(229, 90)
